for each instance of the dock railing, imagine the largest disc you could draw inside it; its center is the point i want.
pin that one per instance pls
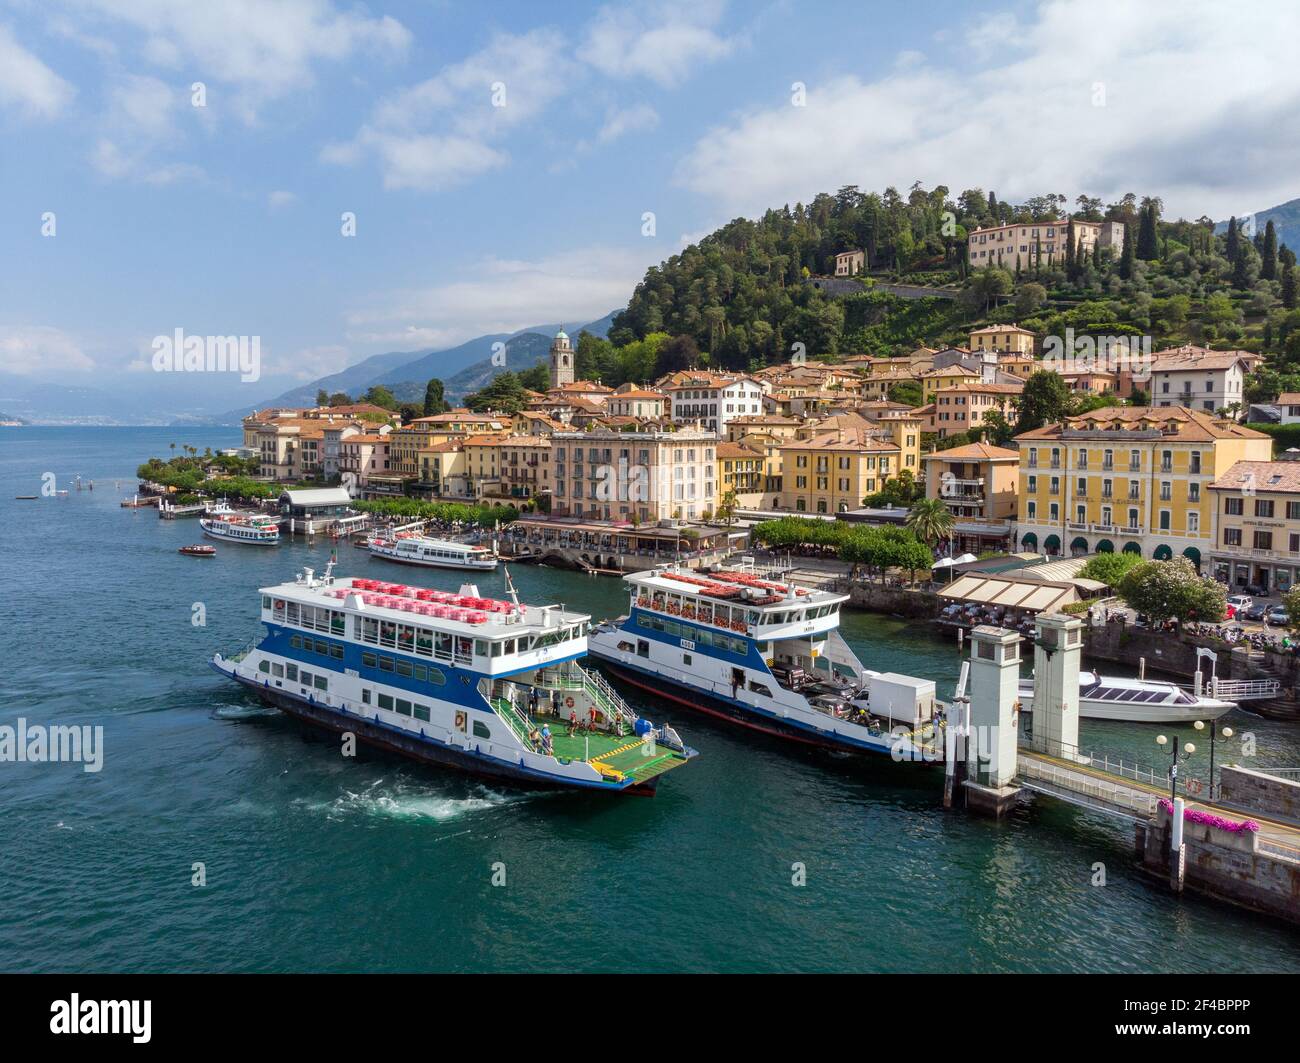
(1112, 765)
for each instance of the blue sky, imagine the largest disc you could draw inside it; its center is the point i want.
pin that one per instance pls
(225, 219)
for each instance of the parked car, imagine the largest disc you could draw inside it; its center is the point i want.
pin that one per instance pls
(1278, 616)
(1257, 611)
(1255, 588)
(1240, 603)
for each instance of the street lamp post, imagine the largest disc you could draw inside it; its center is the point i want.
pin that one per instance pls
(1227, 733)
(1175, 820)
(1176, 755)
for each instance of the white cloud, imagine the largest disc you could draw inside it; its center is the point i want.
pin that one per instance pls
(1199, 99)
(138, 127)
(30, 350)
(447, 129)
(438, 133)
(627, 120)
(264, 50)
(419, 160)
(28, 85)
(503, 295)
(280, 198)
(311, 363)
(661, 41)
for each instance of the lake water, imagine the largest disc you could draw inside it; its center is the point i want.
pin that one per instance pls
(317, 862)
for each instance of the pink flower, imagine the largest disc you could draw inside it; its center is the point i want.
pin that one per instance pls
(1193, 815)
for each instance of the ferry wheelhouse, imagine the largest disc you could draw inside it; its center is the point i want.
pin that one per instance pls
(256, 530)
(450, 679)
(763, 654)
(433, 553)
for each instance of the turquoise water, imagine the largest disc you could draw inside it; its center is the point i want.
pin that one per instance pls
(314, 862)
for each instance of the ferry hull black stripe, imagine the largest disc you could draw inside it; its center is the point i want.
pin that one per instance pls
(712, 705)
(425, 750)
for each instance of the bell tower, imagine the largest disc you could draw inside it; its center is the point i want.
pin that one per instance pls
(561, 360)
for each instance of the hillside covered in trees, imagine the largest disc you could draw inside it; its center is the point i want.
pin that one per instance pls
(744, 295)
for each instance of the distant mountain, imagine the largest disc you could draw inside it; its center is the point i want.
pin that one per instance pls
(41, 402)
(462, 369)
(1285, 219)
(522, 352)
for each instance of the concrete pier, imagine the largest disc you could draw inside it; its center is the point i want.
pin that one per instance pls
(990, 752)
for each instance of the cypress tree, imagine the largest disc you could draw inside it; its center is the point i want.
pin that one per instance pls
(1147, 249)
(1126, 259)
(1240, 278)
(1288, 286)
(1231, 247)
(1268, 270)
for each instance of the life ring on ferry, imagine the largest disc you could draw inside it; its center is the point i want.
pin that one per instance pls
(568, 703)
(1193, 786)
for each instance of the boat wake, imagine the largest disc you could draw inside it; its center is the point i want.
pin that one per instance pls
(403, 800)
(243, 712)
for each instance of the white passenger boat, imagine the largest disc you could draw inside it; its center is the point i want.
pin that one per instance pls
(434, 553)
(1107, 697)
(492, 687)
(762, 654)
(254, 530)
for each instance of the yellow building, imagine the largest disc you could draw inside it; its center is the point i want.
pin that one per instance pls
(1128, 478)
(1257, 526)
(978, 483)
(1021, 366)
(742, 470)
(482, 461)
(882, 374)
(1025, 244)
(949, 376)
(424, 432)
(1005, 339)
(833, 471)
(442, 470)
(965, 406)
(525, 466)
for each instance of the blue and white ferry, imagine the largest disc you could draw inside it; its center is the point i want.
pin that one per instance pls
(762, 654)
(490, 686)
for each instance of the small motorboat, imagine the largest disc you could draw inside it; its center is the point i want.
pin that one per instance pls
(1104, 697)
(199, 550)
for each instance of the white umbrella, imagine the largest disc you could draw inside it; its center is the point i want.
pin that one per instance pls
(943, 562)
(965, 559)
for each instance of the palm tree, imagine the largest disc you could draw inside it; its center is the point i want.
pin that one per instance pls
(727, 508)
(930, 520)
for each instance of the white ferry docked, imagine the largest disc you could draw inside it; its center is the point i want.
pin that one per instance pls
(1108, 697)
(762, 654)
(450, 679)
(434, 553)
(257, 530)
